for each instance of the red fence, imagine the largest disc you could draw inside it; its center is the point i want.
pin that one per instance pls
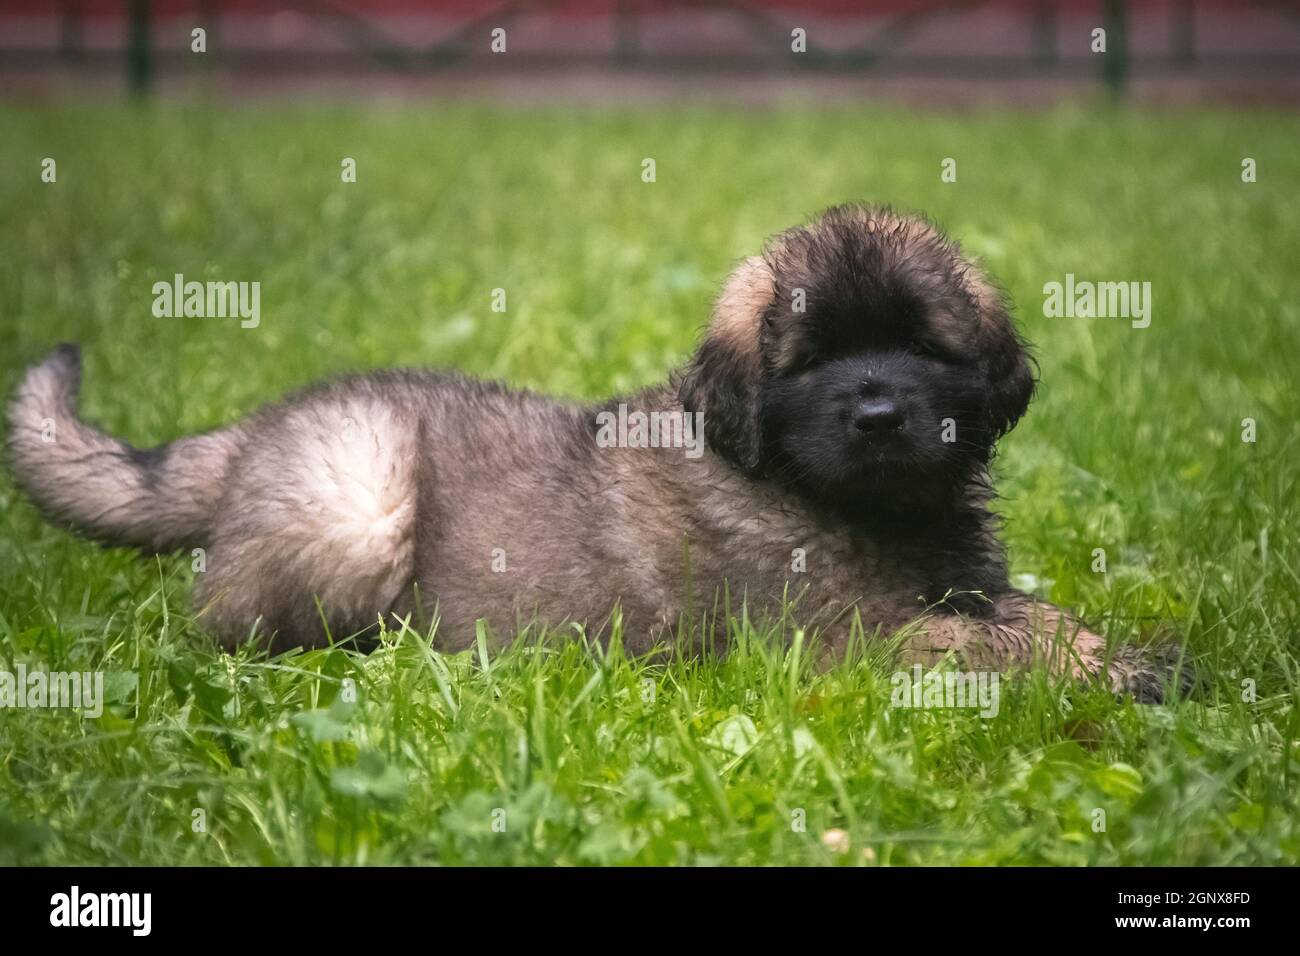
(144, 39)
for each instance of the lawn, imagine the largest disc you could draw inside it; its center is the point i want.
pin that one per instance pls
(543, 752)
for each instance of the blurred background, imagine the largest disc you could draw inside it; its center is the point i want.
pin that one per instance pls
(1001, 50)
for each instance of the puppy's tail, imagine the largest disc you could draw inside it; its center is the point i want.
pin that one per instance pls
(160, 499)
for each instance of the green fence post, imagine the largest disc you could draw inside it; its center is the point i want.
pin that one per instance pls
(1044, 34)
(139, 52)
(1114, 63)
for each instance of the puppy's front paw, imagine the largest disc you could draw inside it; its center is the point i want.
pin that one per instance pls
(1151, 675)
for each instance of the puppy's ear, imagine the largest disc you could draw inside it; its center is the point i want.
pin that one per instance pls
(1008, 367)
(723, 380)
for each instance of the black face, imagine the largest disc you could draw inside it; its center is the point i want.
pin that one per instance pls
(862, 361)
(875, 420)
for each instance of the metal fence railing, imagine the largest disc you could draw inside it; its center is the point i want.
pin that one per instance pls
(146, 38)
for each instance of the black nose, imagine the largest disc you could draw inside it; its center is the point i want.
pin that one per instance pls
(878, 416)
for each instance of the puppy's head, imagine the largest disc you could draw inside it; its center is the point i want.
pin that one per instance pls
(859, 353)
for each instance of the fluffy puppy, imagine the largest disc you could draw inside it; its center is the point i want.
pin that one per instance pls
(852, 385)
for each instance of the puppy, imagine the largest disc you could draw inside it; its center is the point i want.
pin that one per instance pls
(852, 385)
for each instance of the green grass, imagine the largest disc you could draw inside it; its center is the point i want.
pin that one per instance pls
(1133, 445)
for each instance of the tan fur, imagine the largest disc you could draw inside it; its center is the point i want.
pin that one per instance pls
(747, 292)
